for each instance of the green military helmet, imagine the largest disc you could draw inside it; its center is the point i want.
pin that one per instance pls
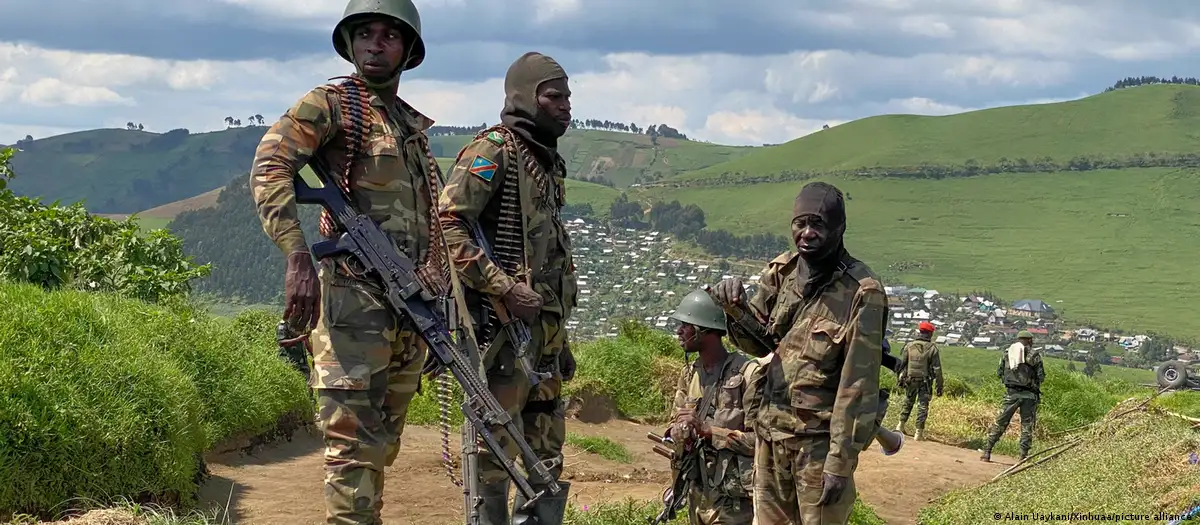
(402, 10)
(1024, 334)
(698, 308)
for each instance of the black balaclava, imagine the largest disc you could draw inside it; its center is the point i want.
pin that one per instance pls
(816, 270)
(521, 111)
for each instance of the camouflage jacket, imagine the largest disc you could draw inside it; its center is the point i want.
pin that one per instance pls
(731, 470)
(476, 187)
(391, 176)
(920, 361)
(824, 378)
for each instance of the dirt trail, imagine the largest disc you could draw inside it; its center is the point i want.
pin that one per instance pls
(283, 483)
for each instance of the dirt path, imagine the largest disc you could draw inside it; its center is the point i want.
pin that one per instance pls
(283, 484)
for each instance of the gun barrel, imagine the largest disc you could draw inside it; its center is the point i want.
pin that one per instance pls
(664, 452)
(655, 437)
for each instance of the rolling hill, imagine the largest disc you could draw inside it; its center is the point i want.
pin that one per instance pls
(119, 171)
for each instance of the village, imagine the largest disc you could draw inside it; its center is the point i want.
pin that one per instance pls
(626, 273)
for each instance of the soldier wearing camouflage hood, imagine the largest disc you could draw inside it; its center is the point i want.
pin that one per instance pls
(920, 368)
(1022, 373)
(724, 497)
(820, 391)
(366, 362)
(510, 182)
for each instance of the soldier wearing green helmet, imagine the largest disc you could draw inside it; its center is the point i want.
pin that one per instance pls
(366, 361)
(725, 497)
(1022, 373)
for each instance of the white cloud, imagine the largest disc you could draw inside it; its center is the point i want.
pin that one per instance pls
(759, 127)
(54, 92)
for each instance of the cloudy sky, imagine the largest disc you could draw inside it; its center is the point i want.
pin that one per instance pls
(745, 72)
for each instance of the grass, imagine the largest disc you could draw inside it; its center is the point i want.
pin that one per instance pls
(632, 512)
(1137, 464)
(600, 446)
(978, 362)
(128, 395)
(1157, 118)
(1053, 237)
(126, 512)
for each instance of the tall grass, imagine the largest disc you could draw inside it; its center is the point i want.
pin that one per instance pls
(104, 398)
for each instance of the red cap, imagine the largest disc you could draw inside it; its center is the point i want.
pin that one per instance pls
(925, 326)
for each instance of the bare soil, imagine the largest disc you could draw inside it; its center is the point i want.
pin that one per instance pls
(283, 483)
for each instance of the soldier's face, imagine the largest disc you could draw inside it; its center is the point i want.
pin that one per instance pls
(554, 97)
(378, 48)
(809, 233)
(689, 337)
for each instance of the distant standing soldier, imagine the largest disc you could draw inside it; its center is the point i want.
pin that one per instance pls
(920, 367)
(510, 183)
(821, 389)
(293, 346)
(366, 362)
(1022, 373)
(726, 497)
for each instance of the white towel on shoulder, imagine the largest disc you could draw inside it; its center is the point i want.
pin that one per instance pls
(1016, 355)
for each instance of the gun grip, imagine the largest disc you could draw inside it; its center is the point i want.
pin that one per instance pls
(330, 248)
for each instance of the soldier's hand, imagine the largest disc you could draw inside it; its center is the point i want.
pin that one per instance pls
(832, 489)
(302, 292)
(566, 363)
(523, 303)
(730, 291)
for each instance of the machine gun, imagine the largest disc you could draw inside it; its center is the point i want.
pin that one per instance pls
(516, 329)
(689, 464)
(408, 299)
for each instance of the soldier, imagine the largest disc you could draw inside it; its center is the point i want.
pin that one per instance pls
(821, 389)
(509, 182)
(1022, 374)
(725, 498)
(920, 366)
(293, 346)
(366, 362)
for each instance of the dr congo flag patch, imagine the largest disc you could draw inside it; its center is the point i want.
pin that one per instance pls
(483, 168)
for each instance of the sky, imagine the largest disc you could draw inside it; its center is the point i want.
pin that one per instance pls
(748, 72)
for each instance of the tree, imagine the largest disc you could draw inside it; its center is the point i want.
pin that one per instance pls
(228, 121)
(140, 128)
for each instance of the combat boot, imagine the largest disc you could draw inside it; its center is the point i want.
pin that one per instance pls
(987, 455)
(900, 426)
(547, 510)
(920, 435)
(1024, 454)
(493, 503)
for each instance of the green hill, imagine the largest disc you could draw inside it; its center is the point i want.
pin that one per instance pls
(119, 171)
(1159, 119)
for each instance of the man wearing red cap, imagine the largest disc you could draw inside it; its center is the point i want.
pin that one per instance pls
(920, 365)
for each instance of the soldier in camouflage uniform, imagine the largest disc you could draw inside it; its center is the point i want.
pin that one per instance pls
(725, 497)
(294, 347)
(1022, 373)
(366, 362)
(920, 367)
(510, 183)
(820, 391)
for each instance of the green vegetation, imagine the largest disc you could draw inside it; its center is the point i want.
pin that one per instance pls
(1134, 464)
(600, 446)
(1161, 119)
(126, 512)
(1112, 246)
(128, 394)
(633, 512)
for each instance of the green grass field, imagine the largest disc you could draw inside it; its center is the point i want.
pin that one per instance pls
(1156, 118)
(969, 363)
(1115, 247)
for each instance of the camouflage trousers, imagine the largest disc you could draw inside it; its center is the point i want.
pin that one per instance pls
(920, 393)
(788, 485)
(537, 411)
(365, 373)
(724, 511)
(1015, 400)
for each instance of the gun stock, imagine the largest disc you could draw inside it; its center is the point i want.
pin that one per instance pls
(407, 298)
(890, 442)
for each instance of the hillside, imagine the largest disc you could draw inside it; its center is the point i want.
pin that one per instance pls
(1147, 119)
(119, 171)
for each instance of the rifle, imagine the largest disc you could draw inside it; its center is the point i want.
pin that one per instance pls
(516, 329)
(407, 298)
(689, 463)
(742, 317)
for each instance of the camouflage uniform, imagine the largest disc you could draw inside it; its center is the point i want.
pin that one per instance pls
(1023, 392)
(366, 362)
(498, 166)
(920, 367)
(729, 500)
(819, 391)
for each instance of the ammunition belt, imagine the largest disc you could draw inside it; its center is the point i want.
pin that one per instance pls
(355, 103)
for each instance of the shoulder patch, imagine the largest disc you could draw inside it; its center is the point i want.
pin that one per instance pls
(483, 168)
(495, 137)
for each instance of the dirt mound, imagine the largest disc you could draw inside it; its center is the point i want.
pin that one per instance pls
(588, 406)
